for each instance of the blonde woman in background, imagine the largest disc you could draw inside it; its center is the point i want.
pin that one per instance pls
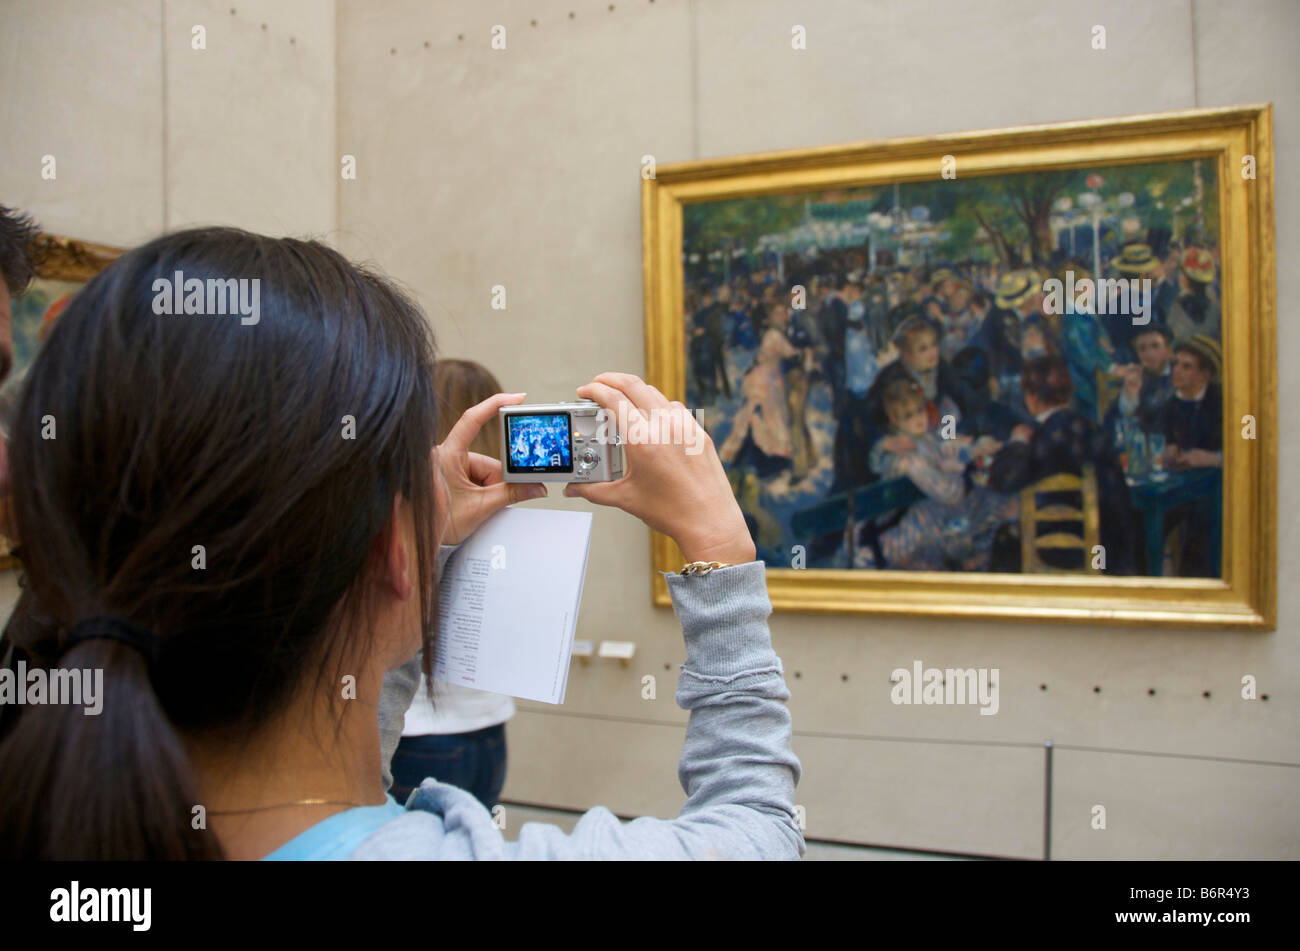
(460, 736)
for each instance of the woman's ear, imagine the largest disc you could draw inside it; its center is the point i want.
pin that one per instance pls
(395, 554)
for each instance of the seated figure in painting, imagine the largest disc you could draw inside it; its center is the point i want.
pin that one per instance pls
(1061, 440)
(864, 419)
(1194, 440)
(1194, 417)
(1087, 348)
(1147, 385)
(984, 415)
(1018, 296)
(953, 527)
(967, 313)
(1136, 261)
(917, 341)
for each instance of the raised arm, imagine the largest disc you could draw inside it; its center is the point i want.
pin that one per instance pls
(737, 768)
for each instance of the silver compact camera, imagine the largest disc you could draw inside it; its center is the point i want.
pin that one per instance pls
(560, 442)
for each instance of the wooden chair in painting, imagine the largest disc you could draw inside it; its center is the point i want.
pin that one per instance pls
(1066, 525)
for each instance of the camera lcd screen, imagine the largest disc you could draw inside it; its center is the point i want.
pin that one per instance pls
(539, 443)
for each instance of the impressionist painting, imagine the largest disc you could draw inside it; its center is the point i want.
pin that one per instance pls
(949, 345)
(63, 265)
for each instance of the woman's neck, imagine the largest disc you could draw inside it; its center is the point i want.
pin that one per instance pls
(313, 751)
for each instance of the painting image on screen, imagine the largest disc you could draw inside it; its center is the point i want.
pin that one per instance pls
(539, 443)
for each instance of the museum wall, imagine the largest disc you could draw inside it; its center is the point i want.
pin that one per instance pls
(521, 167)
(167, 136)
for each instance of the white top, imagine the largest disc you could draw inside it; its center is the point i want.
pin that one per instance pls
(459, 710)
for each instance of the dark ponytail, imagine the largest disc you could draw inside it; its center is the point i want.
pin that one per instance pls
(112, 786)
(203, 430)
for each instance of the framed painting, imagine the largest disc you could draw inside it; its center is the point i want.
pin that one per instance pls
(1025, 373)
(62, 266)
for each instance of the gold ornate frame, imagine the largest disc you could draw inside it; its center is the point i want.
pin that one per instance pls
(63, 259)
(67, 259)
(1246, 597)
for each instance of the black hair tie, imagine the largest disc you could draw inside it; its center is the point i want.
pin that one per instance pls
(112, 628)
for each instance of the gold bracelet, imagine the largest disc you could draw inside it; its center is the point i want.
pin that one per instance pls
(702, 567)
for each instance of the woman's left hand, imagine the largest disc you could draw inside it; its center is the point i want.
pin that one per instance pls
(475, 486)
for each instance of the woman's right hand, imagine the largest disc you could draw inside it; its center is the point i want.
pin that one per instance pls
(673, 480)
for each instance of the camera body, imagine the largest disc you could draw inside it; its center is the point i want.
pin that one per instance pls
(559, 442)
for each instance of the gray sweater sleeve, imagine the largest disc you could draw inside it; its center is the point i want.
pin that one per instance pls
(737, 768)
(399, 689)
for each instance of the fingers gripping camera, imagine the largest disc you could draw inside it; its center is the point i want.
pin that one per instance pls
(560, 442)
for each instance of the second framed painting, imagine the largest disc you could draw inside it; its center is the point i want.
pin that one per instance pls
(62, 266)
(1024, 373)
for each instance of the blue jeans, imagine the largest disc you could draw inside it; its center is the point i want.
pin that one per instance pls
(476, 762)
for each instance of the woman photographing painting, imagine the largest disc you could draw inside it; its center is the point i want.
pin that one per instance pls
(204, 532)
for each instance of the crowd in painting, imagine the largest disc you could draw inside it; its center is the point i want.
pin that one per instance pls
(956, 377)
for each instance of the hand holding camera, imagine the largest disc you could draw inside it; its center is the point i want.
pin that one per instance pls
(675, 485)
(471, 487)
(684, 494)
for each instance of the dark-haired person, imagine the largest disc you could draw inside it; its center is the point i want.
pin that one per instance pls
(17, 234)
(451, 732)
(962, 322)
(1147, 385)
(983, 415)
(832, 325)
(864, 419)
(1062, 441)
(1194, 416)
(1018, 296)
(1194, 440)
(244, 537)
(917, 340)
(1135, 261)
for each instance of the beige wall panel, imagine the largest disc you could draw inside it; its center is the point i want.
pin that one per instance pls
(936, 796)
(517, 167)
(571, 762)
(83, 82)
(491, 176)
(853, 790)
(1159, 808)
(251, 119)
(877, 68)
